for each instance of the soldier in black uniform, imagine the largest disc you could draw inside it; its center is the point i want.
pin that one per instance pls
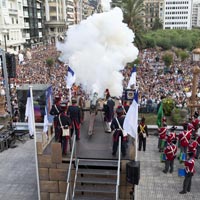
(108, 109)
(64, 123)
(74, 113)
(117, 126)
(55, 110)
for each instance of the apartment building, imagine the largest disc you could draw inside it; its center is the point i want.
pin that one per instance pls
(153, 10)
(11, 25)
(178, 14)
(55, 19)
(196, 15)
(33, 30)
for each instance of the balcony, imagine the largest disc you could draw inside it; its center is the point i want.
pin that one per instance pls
(12, 11)
(26, 35)
(26, 25)
(26, 14)
(25, 3)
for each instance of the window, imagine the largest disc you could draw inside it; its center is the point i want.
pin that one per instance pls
(4, 3)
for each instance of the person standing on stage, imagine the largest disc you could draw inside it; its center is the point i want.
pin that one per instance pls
(170, 152)
(117, 127)
(108, 109)
(55, 110)
(74, 113)
(190, 170)
(64, 123)
(142, 134)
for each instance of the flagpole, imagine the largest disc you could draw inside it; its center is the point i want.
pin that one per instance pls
(35, 140)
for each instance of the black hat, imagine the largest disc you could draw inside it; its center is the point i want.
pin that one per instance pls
(196, 114)
(57, 98)
(74, 100)
(173, 128)
(63, 105)
(143, 119)
(119, 110)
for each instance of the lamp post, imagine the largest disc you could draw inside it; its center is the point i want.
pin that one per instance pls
(5, 33)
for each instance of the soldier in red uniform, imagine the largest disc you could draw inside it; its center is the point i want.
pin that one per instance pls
(195, 123)
(74, 113)
(184, 138)
(189, 169)
(162, 136)
(198, 147)
(55, 110)
(192, 147)
(64, 122)
(170, 152)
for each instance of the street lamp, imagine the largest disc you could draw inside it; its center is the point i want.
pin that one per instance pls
(5, 33)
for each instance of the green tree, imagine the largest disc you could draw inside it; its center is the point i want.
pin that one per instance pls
(158, 24)
(49, 62)
(168, 58)
(132, 10)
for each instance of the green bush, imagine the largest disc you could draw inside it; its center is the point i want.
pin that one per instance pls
(168, 106)
(179, 116)
(167, 58)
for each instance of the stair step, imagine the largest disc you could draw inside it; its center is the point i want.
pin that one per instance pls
(84, 197)
(98, 172)
(96, 189)
(97, 163)
(95, 180)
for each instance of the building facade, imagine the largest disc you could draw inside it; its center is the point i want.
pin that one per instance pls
(11, 25)
(196, 15)
(153, 9)
(177, 14)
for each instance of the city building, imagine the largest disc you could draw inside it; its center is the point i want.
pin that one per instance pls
(33, 30)
(55, 19)
(177, 14)
(153, 10)
(196, 15)
(11, 25)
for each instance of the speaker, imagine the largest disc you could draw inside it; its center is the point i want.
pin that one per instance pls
(133, 172)
(11, 65)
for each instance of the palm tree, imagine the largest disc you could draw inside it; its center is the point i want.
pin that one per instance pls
(132, 10)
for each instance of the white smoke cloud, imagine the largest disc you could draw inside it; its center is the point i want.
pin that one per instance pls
(97, 48)
(105, 5)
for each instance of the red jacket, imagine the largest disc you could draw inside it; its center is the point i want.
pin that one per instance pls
(198, 140)
(195, 123)
(162, 132)
(170, 151)
(189, 165)
(184, 138)
(193, 147)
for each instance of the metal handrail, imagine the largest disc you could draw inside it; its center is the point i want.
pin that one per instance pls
(70, 166)
(75, 178)
(118, 169)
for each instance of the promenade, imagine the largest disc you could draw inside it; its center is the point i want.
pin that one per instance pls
(155, 185)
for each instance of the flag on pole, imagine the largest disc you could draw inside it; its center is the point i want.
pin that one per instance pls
(160, 115)
(46, 122)
(28, 114)
(132, 80)
(70, 78)
(131, 120)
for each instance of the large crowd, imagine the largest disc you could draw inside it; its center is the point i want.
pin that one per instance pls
(152, 78)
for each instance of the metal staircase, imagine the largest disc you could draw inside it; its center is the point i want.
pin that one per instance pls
(95, 179)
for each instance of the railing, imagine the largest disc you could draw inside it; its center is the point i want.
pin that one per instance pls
(118, 169)
(68, 191)
(73, 193)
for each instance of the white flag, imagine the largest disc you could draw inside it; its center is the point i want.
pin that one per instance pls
(70, 78)
(131, 120)
(132, 80)
(29, 115)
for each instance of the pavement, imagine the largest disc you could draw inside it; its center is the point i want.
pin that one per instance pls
(18, 171)
(155, 185)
